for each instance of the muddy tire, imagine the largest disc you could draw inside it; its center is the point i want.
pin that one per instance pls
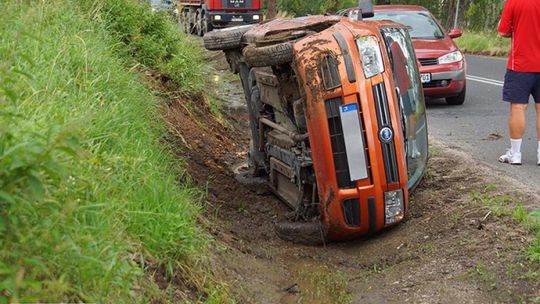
(226, 39)
(307, 233)
(276, 54)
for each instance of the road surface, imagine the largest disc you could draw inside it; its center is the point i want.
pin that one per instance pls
(479, 127)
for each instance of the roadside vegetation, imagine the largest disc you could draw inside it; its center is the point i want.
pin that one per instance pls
(482, 43)
(91, 208)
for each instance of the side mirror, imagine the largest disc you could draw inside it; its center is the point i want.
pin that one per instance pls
(455, 33)
(366, 7)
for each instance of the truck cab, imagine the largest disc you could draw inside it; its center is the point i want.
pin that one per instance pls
(201, 16)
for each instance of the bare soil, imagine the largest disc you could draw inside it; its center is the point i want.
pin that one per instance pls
(452, 249)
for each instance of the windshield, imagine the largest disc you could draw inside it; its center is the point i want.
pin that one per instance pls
(420, 24)
(411, 100)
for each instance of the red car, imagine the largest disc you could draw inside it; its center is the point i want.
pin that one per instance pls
(442, 65)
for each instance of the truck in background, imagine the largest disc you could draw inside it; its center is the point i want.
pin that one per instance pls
(201, 16)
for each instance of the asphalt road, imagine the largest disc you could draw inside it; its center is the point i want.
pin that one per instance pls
(479, 127)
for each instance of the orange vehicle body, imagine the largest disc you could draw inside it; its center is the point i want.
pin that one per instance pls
(326, 84)
(359, 92)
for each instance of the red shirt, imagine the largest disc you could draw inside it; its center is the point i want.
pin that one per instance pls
(521, 18)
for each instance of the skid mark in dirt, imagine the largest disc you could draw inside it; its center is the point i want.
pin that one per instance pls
(450, 250)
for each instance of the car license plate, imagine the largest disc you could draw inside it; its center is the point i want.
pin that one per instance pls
(426, 77)
(237, 19)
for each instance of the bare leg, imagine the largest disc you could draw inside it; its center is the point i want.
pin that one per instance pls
(516, 122)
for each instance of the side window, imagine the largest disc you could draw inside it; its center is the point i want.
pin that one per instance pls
(411, 100)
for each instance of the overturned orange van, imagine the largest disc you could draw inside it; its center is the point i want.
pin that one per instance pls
(337, 118)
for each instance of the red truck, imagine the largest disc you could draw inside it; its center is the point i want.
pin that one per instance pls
(201, 16)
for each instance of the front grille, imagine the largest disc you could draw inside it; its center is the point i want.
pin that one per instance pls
(234, 3)
(338, 144)
(351, 208)
(437, 84)
(384, 121)
(428, 61)
(330, 73)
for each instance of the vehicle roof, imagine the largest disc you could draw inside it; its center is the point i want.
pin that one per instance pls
(399, 8)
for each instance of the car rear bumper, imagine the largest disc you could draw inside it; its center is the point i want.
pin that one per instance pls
(447, 82)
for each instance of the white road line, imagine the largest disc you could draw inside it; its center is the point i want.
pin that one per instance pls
(486, 80)
(483, 78)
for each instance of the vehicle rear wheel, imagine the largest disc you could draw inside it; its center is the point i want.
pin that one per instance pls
(227, 39)
(275, 54)
(457, 100)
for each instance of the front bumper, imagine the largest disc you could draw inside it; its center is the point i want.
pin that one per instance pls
(223, 19)
(447, 80)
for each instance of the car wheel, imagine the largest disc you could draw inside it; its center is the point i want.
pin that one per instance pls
(457, 100)
(275, 54)
(227, 39)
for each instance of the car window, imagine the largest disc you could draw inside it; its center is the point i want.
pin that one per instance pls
(411, 100)
(421, 24)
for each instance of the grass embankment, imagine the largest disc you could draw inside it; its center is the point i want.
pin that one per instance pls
(479, 43)
(88, 193)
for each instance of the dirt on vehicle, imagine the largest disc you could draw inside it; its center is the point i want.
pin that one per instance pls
(457, 246)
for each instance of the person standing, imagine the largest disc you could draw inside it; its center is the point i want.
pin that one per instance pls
(520, 21)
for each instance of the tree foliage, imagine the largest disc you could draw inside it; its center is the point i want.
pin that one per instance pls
(314, 7)
(472, 14)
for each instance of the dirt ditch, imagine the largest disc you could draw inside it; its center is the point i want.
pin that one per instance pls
(452, 248)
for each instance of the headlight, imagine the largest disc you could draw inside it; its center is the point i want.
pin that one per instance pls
(217, 17)
(256, 17)
(393, 206)
(456, 56)
(371, 55)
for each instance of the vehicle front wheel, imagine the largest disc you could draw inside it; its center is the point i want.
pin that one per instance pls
(457, 100)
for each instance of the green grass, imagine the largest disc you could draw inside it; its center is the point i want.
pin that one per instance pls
(504, 205)
(484, 44)
(87, 189)
(325, 285)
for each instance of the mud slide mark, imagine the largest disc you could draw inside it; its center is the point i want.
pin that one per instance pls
(452, 249)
